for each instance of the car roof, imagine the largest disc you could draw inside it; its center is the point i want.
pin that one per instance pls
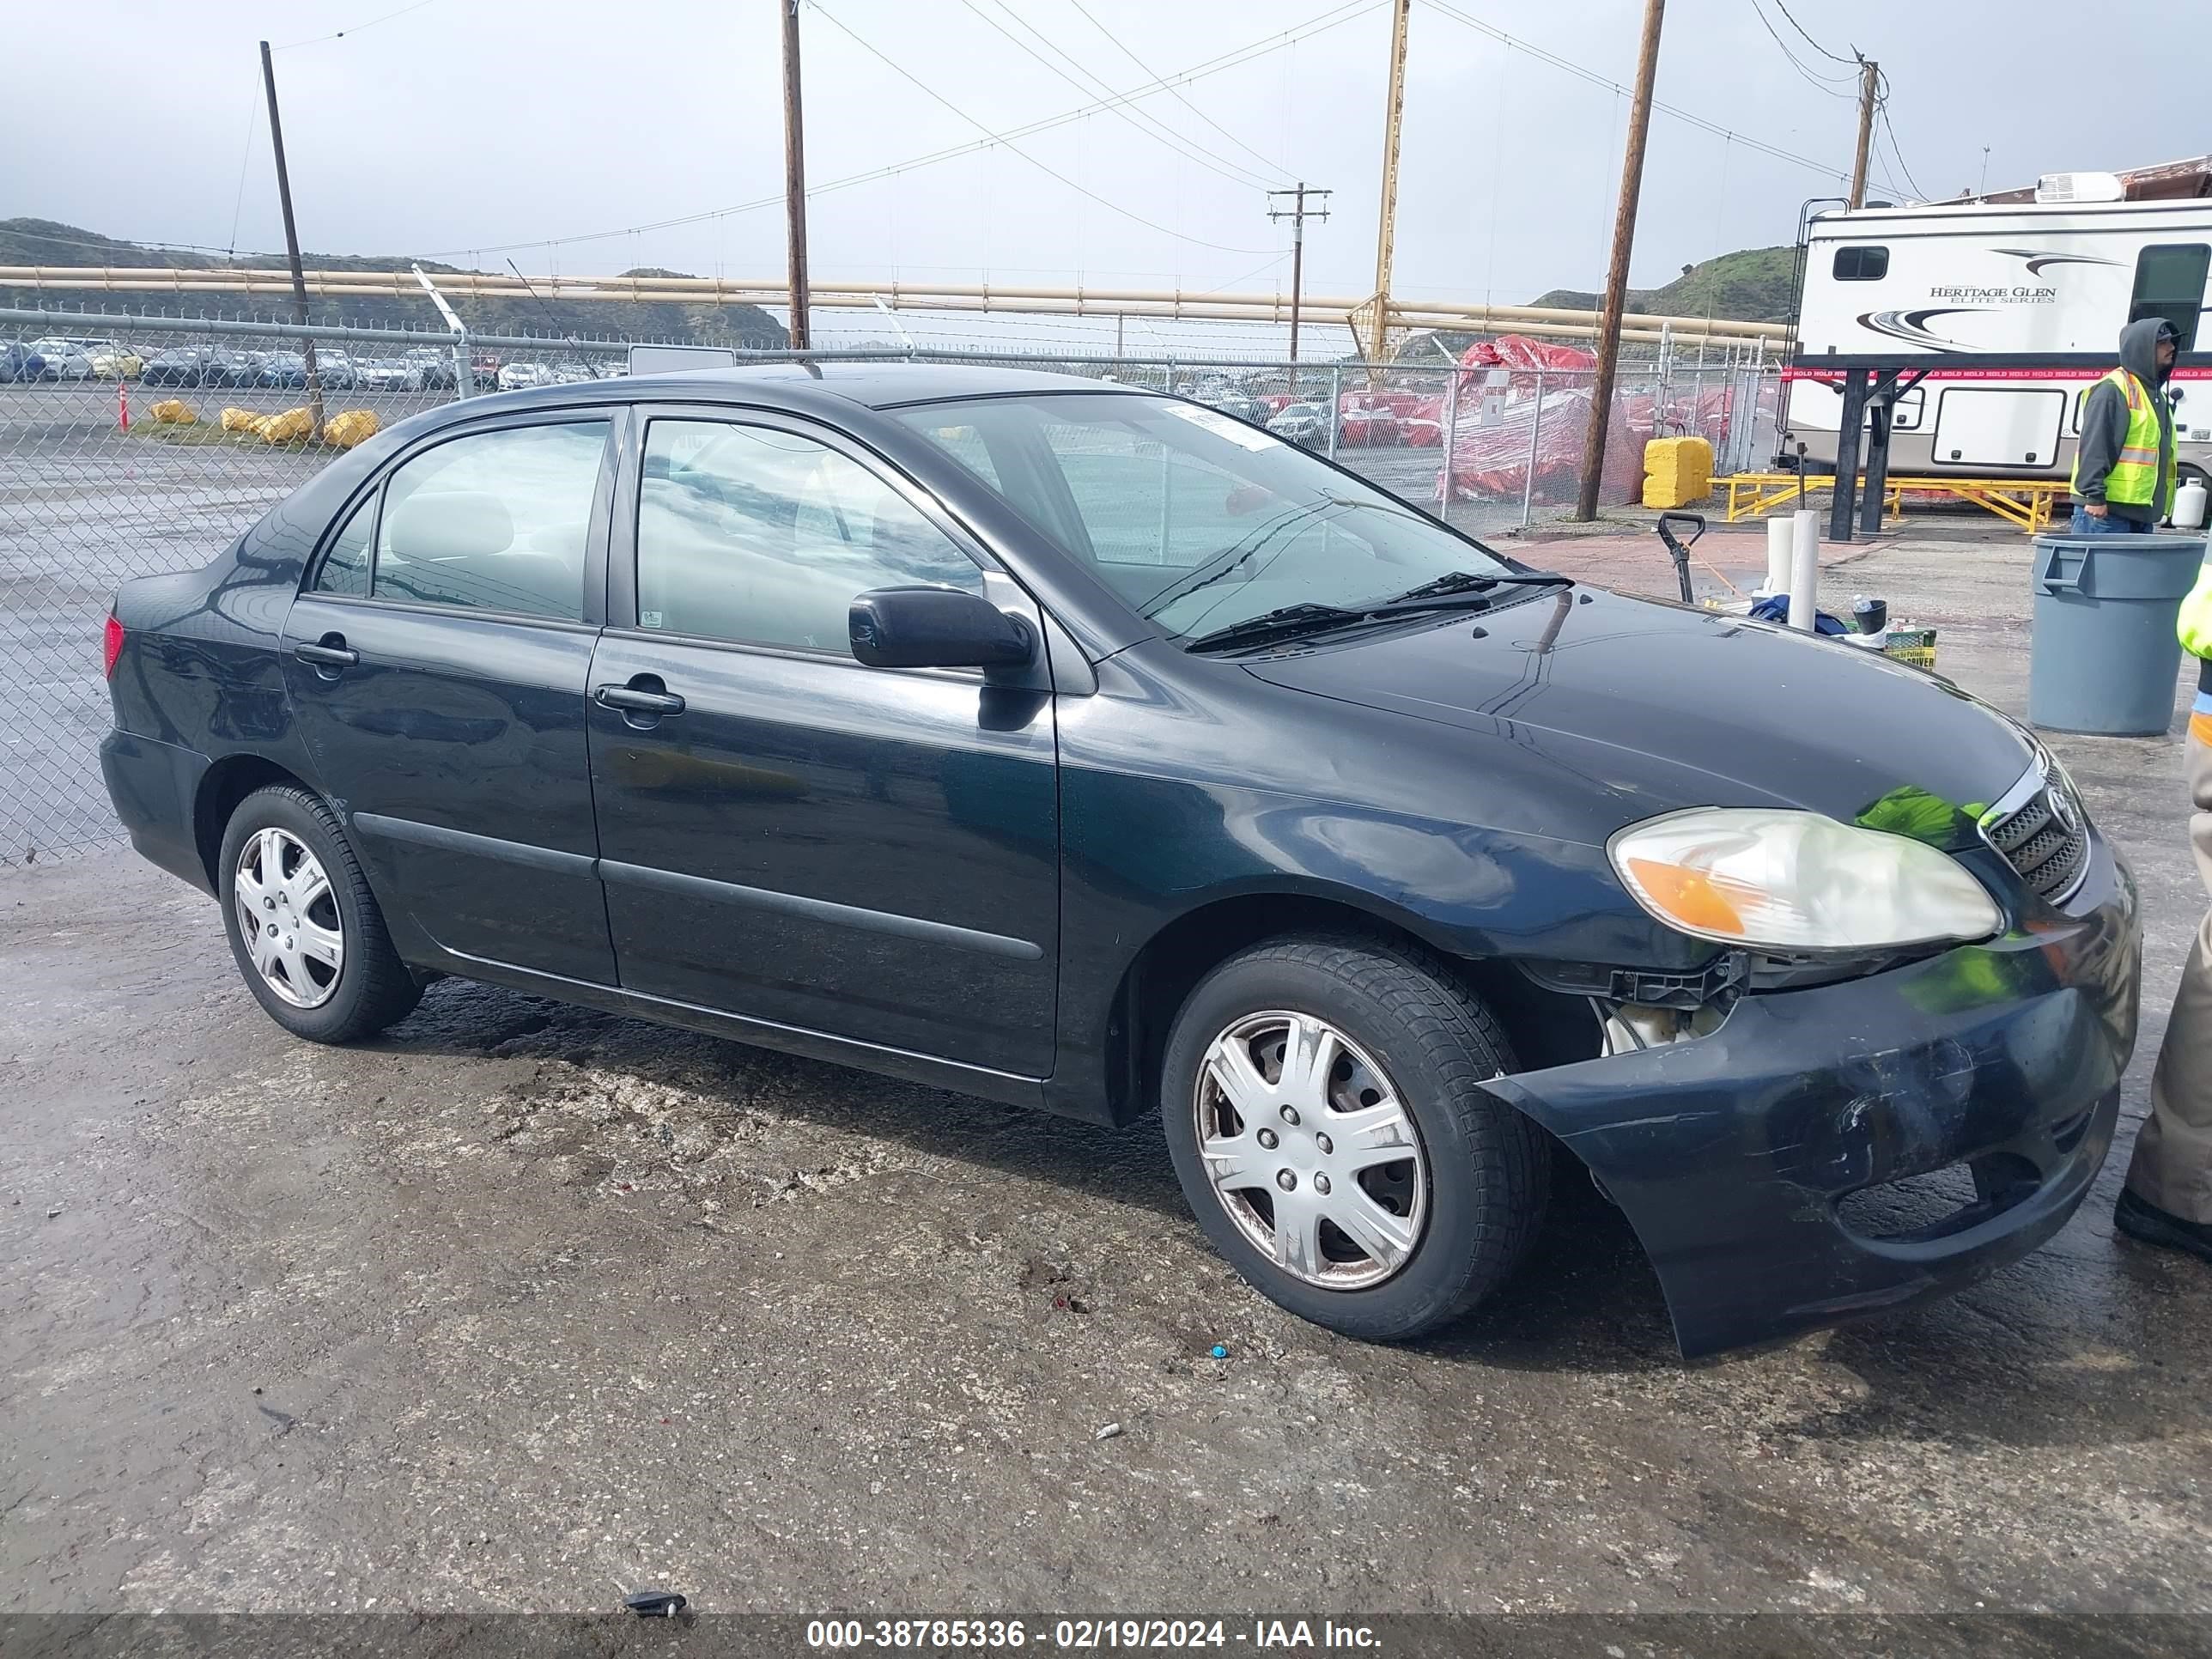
(873, 386)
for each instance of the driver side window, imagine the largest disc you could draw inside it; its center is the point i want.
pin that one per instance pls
(756, 536)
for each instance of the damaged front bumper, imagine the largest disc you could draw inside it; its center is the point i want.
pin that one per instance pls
(1732, 1154)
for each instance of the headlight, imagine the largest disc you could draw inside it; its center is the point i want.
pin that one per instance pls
(1781, 880)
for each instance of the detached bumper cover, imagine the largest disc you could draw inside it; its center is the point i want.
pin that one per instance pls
(1730, 1153)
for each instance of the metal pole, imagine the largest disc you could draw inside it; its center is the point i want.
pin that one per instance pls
(1451, 443)
(292, 249)
(1869, 74)
(1297, 282)
(794, 180)
(1528, 478)
(1335, 404)
(1394, 113)
(1847, 455)
(1616, 281)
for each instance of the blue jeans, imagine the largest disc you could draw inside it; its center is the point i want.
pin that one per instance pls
(2110, 525)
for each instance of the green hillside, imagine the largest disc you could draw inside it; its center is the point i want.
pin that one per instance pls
(44, 242)
(1755, 285)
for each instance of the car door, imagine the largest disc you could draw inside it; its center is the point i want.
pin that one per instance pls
(786, 834)
(437, 661)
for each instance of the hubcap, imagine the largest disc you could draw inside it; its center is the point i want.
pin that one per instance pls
(288, 918)
(1334, 1190)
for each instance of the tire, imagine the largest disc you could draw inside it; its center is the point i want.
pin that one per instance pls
(266, 848)
(1458, 1213)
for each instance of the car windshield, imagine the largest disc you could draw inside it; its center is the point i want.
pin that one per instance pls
(1197, 522)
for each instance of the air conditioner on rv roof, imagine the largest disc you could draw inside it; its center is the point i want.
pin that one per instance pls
(2080, 187)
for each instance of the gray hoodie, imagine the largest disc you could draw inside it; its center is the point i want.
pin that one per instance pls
(2105, 423)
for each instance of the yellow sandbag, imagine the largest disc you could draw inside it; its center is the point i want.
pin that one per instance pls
(173, 411)
(241, 420)
(291, 425)
(349, 428)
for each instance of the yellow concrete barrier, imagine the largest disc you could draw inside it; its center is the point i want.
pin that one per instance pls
(1677, 471)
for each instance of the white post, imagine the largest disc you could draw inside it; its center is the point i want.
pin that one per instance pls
(1781, 538)
(1805, 569)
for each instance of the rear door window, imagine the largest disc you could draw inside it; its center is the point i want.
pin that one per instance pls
(2170, 283)
(494, 520)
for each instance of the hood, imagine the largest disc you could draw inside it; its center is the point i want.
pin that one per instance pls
(2139, 351)
(1665, 707)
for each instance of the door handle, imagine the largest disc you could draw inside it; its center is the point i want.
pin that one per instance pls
(638, 700)
(330, 652)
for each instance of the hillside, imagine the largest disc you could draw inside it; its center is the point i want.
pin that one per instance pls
(44, 242)
(1755, 285)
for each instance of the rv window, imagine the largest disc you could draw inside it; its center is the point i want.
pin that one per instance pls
(2170, 283)
(1862, 264)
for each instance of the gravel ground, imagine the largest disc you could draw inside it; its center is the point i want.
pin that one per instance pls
(521, 1306)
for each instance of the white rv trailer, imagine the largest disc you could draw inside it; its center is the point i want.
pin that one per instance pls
(1953, 280)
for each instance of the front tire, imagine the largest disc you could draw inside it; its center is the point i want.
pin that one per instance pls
(303, 926)
(1323, 1105)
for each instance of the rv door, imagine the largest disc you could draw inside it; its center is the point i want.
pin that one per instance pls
(1997, 428)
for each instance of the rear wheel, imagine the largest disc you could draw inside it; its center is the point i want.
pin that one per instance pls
(304, 926)
(1322, 1104)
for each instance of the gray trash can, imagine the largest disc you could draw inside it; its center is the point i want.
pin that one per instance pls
(2104, 657)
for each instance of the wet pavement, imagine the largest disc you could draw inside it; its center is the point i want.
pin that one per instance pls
(522, 1306)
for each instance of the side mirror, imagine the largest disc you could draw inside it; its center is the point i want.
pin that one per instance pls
(936, 627)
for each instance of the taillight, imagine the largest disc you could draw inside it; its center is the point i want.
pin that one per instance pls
(111, 647)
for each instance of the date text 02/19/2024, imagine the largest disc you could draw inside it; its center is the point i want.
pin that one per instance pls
(1082, 1635)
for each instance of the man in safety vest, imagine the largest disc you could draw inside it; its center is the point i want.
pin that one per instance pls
(2123, 470)
(2168, 1198)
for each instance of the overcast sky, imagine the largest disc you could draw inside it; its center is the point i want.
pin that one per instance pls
(460, 128)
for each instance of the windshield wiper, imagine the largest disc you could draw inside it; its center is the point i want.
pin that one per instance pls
(1468, 581)
(1287, 622)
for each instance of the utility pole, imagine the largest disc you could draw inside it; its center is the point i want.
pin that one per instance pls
(1616, 276)
(1394, 115)
(794, 179)
(292, 248)
(1869, 76)
(1297, 214)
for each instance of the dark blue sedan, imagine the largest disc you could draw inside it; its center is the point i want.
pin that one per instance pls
(1098, 751)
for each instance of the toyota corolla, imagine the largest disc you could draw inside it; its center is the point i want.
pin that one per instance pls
(1081, 747)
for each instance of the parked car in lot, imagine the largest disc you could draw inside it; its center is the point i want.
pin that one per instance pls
(19, 362)
(282, 368)
(63, 360)
(516, 377)
(392, 375)
(336, 371)
(1301, 423)
(111, 361)
(1082, 748)
(182, 366)
(235, 369)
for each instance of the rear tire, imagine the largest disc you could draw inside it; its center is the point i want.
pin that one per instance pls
(1390, 1192)
(303, 926)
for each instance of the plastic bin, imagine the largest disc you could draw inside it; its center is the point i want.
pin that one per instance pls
(2104, 659)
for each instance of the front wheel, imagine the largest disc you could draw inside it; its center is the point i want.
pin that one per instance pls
(304, 926)
(1323, 1105)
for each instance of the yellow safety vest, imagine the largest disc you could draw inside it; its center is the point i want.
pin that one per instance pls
(2194, 627)
(2135, 479)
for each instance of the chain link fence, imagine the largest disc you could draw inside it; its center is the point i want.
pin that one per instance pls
(135, 446)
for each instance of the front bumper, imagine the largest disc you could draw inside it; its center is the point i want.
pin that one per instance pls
(1730, 1154)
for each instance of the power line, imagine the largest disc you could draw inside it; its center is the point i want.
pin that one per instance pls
(1272, 166)
(1149, 125)
(356, 28)
(1569, 66)
(1881, 110)
(1335, 17)
(1830, 84)
(1045, 168)
(1810, 41)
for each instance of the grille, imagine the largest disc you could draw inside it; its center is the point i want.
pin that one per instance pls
(2035, 841)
